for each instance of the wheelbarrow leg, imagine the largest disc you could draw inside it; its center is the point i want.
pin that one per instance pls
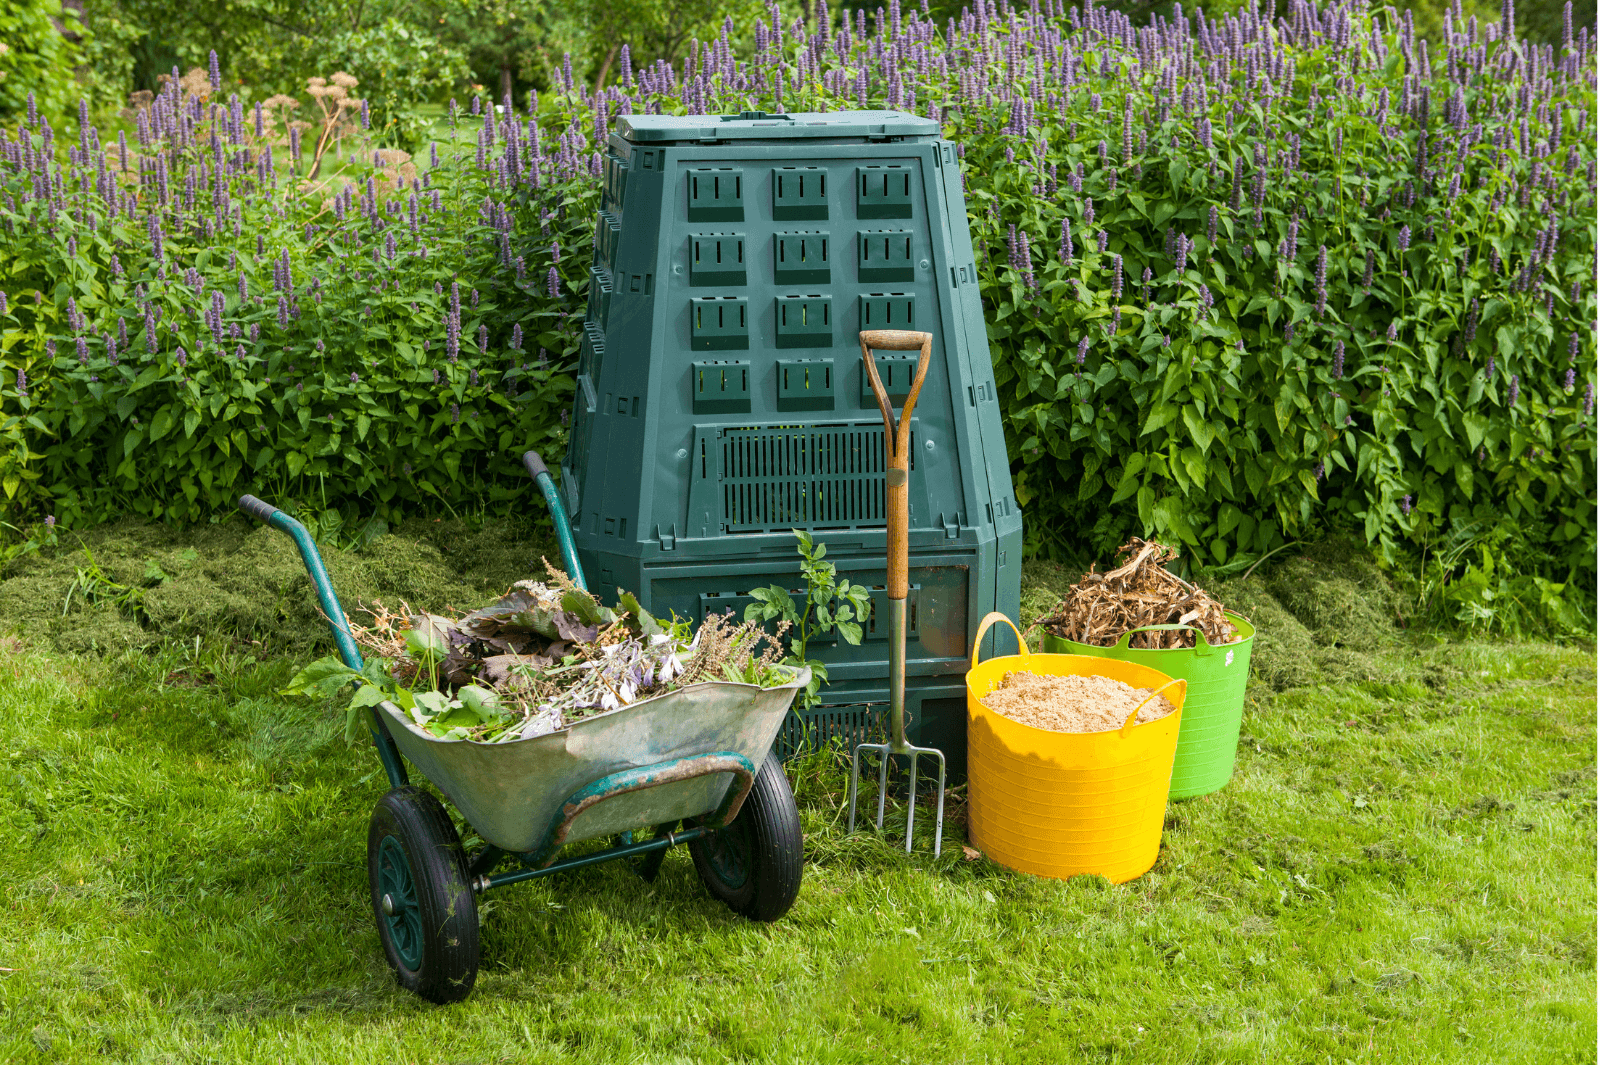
(484, 861)
(649, 867)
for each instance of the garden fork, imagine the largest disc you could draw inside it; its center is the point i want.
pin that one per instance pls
(897, 453)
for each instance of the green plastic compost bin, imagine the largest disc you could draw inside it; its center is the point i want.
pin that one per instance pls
(721, 401)
(1213, 708)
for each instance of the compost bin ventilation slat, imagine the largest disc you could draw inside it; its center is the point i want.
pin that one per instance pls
(773, 479)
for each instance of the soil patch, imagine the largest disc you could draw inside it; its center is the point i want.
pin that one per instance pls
(1074, 703)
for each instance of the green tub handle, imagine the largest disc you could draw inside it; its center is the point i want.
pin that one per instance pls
(1201, 648)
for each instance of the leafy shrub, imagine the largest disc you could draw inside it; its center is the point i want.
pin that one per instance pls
(1243, 277)
(36, 58)
(368, 336)
(1311, 279)
(398, 66)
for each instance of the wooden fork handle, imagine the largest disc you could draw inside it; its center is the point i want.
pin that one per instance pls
(896, 446)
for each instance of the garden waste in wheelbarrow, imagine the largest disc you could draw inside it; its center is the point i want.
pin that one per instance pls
(693, 765)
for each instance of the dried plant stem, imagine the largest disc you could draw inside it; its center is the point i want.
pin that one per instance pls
(1101, 607)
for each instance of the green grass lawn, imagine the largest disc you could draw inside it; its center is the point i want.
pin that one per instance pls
(1401, 870)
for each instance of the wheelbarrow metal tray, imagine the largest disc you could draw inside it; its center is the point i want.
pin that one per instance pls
(512, 793)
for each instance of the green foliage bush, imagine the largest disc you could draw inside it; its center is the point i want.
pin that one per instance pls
(1254, 388)
(36, 58)
(295, 343)
(398, 66)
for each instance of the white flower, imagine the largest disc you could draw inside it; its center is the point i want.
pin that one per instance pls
(542, 723)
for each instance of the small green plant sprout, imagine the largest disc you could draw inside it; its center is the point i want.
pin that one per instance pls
(828, 604)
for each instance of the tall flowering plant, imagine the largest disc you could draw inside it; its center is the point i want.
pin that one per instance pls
(1241, 275)
(191, 314)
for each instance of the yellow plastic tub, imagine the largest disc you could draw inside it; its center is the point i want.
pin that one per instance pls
(1060, 804)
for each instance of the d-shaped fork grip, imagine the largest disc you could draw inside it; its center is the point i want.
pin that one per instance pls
(896, 444)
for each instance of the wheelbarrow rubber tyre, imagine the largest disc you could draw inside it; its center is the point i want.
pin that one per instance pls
(754, 865)
(415, 857)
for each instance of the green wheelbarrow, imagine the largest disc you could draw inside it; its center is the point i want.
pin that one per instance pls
(694, 766)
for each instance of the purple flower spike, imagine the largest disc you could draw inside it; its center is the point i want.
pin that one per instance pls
(1571, 381)
(1338, 359)
(1322, 280)
(553, 283)
(1512, 391)
(1588, 400)
(1083, 350)
(22, 382)
(1405, 505)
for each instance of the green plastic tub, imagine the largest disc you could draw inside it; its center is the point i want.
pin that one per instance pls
(1211, 712)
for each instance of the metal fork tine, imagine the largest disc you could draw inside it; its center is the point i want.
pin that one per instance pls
(911, 800)
(883, 781)
(938, 819)
(855, 774)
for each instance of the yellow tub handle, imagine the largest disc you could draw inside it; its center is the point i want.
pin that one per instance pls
(983, 627)
(1128, 724)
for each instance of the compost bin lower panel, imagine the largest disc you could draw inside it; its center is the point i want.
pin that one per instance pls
(936, 716)
(938, 614)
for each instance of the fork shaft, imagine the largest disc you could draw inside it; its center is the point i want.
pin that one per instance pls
(897, 675)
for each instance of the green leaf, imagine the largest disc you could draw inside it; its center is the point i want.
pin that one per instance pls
(322, 677)
(1162, 415)
(1199, 430)
(483, 702)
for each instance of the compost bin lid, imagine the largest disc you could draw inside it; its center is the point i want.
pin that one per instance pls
(759, 125)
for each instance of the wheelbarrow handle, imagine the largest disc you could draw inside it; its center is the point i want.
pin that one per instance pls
(258, 509)
(349, 653)
(268, 514)
(896, 444)
(558, 515)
